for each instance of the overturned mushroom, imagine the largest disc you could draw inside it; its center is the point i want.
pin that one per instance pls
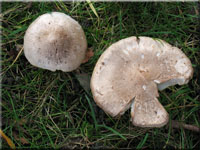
(129, 74)
(55, 41)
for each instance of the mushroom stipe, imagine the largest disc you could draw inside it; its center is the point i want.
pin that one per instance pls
(129, 74)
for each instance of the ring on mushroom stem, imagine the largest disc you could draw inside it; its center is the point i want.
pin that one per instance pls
(55, 41)
(129, 74)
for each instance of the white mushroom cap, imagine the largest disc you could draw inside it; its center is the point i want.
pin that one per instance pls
(128, 72)
(55, 41)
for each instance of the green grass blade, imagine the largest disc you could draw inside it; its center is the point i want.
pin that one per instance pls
(50, 140)
(114, 131)
(92, 112)
(140, 145)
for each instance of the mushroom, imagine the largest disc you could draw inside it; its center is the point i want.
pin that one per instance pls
(129, 74)
(55, 41)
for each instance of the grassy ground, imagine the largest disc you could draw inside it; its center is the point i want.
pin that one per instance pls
(43, 109)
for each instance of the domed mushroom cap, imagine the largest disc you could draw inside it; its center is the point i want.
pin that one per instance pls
(129, 74)
(55, 41)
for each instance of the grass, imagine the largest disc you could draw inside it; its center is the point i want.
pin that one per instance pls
(43, 109)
